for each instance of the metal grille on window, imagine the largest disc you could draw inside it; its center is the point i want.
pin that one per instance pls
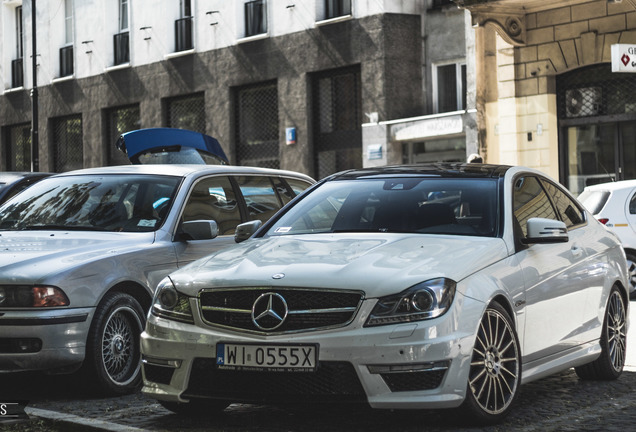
(68, 145)
(183, 34)
(18, 148)
(121, 120)
(255, 18)
(122, 48)
(337, 121)
(187, 113)
(337, 8)
(257, 131)
(66, 61)
(595, 91)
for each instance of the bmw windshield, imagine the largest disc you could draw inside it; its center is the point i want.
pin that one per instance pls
(456, 206)
(119, 203)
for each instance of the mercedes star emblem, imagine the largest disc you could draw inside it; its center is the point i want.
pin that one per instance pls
(269, 311)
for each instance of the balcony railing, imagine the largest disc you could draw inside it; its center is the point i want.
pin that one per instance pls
(183, 34)
(122, 48)
(337, 8)
(17, 73)
(66, 61)
(255, 22)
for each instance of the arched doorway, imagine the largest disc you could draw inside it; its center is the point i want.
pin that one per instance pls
(597, 126)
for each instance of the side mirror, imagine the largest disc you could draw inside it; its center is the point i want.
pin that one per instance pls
(200, 229)
(245, 230)
(542, 230)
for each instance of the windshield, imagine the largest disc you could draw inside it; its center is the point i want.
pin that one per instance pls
(131, 203)
(406, 205)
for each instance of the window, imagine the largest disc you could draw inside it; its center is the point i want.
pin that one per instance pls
(337, 121)
(214, 199)
(260, 197)
(183, 27)
(68, 146)
(187, 112)
(120, 120)
(257, 131)
(122, 39)
(66, 52)
(449, 87)
(569, 211)
(530, 201)
(17, 65)
(255, 18)
(337, 8)
(18, 148)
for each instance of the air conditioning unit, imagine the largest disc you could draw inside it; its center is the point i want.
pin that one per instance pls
(583, 102)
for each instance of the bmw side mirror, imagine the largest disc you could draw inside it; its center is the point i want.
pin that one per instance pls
(245, 230)
(200, 229)
(541, 230)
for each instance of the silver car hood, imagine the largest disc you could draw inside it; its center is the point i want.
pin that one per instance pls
(378, 264)
(29, 257)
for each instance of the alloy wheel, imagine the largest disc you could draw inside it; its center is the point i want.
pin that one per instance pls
(616, 334)
(494, 369)
(119, 347)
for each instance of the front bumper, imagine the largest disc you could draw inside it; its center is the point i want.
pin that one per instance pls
(415, 365)
(45, 340)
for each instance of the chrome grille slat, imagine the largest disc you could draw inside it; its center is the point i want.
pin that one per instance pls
(308, 309)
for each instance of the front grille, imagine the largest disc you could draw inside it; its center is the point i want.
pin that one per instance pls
(158, 374)
(306, 309)
(414, 381)
(332, 382)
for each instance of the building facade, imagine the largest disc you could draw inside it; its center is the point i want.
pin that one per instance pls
(315, 86)
(547, 95)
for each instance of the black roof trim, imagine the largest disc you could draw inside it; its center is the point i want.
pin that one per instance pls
(459, 170)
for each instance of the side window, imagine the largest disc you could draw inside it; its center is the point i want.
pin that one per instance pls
(260, 197)
(632, 205)
(570, 213)
(214, 199)
(287, 193)
(530, 200)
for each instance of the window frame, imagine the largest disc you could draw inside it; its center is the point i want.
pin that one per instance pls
(460, 84)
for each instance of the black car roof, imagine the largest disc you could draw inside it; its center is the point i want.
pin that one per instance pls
(456, 170)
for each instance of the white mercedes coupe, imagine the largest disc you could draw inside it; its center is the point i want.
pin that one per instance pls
(437, 286)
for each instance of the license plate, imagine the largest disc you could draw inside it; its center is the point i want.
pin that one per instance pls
(270, 358)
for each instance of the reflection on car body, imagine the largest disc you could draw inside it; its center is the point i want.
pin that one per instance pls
(433, 286)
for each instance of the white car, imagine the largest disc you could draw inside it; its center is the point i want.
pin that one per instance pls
(614, 205)
(83, 251)
(433, 286)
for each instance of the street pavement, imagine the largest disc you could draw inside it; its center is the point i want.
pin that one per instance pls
(558, 403)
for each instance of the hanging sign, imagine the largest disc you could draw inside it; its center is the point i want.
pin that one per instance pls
(623, 58)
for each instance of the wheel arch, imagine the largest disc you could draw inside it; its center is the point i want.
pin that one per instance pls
(135, 290)
(504, 303)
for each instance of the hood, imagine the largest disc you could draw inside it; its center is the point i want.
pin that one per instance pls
(29, 257)
(379, 264)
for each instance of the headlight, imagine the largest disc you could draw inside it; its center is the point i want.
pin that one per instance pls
(171, 304)
(425, 300)
(32, 296)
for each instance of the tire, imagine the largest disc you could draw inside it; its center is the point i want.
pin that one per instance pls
(609, 365)
(196, 408)
(495, 368)
(631, 270)
(113, 355)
